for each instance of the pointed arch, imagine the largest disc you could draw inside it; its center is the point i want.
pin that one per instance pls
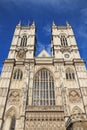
(10, 119)
(11, 111)
(76, 110)
(63, 40)
(70, 74)
(47, 68)
(43, 88)
(18, 74)
(23, 41)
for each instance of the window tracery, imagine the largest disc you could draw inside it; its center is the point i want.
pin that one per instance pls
(43, 89)
(63, 40)
(18, 74)
(70, 74)
(23, 41)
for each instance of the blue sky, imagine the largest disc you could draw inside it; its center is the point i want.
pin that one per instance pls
(43, 12)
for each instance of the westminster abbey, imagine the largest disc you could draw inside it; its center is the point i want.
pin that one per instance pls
(44, 92)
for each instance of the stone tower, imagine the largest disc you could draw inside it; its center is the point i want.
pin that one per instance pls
(44, 92)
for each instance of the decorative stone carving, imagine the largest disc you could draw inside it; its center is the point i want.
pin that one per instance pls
(11, 112)
(66, 55)
(14, 97)
(65, 49)
(74, 96)
(44, 125)
(21, 54)
(76, 110)
(45, 121)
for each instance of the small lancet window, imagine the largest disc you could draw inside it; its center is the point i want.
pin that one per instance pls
(13, 122)
(18, 74)
(23, 41)
(63, 40)
(70, 74)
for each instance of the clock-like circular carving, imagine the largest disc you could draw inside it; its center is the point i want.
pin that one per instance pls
(66, 55)
(21, 53)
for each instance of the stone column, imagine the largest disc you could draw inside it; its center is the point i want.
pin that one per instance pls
(0, 123)
(7, 124)
(30, 88)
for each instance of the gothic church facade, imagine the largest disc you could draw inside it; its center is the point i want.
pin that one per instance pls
(44, 92)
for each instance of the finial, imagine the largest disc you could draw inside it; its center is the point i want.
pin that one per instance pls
(67, 23)
(19, 24)
(28, 22)
(33, 23)
(53, 23)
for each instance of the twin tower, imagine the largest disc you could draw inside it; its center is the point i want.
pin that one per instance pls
(44, 92)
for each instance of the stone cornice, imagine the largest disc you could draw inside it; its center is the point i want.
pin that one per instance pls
(61, 27)
(26, 27)
(44, 60)
(45, 108)
(30, 60)
(79, 60)
(57, 60)
(11, 61)
(68, 62)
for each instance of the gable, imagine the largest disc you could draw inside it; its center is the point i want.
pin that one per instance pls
(44, 53)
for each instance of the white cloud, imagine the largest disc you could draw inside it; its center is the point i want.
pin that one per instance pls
(58, 2)
(39, 47)
(57, 5)
(82, 29)
(40, 44)
(48, 48)
(53, 4)
(47, 30)
(84, 15)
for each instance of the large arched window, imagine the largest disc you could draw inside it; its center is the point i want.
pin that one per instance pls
(43, 88)
(18, 74)
(24, 41)
(13, 121)
(63, 40)
(70, 74)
